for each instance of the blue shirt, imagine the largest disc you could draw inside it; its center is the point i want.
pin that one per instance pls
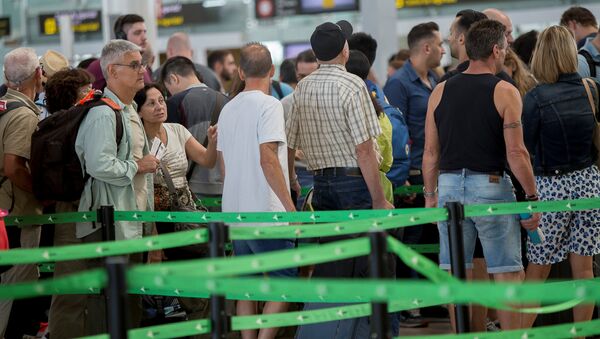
(285, 90)
(584, 68)
(405, 90)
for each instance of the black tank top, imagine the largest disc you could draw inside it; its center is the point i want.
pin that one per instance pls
(469, 127)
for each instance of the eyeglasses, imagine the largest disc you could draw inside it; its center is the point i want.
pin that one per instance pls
(135, 66)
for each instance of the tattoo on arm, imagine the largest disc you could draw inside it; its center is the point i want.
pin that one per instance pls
(515, 124)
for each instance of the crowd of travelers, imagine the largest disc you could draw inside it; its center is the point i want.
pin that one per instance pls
(514, 120)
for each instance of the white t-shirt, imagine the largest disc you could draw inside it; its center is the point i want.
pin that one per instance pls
(248, 120)
(175, 157)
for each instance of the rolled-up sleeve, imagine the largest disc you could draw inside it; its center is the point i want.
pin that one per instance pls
(97, 149)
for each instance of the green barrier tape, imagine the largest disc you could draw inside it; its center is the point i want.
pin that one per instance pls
(532, 207)
(175, 330)
(337, 229)
(266, 217)
(88, 282)
(581, 329)
(361, 290)
(425, 248)
(101, 249)
(46, 268)
(250, 264)
(419, 263)
(406, 190)
(57, 218)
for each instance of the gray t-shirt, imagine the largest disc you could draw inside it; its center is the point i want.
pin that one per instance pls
(193, 108)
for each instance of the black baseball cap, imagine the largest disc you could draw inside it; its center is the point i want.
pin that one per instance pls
(328, 39)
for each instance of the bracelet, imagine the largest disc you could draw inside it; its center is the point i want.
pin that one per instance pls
(533, 197)
(429, 194)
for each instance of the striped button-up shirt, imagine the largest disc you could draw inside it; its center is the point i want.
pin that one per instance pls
(331, 114)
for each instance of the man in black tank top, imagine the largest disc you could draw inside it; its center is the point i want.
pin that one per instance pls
(472, 129)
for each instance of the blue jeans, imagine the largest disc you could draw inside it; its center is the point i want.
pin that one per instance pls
(249, 247)
(500, 235)
(339, 193)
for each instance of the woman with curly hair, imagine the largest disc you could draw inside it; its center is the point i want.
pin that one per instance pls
(65, 88)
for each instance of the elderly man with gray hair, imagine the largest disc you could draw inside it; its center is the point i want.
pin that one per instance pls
(112, 164)
(18, 121)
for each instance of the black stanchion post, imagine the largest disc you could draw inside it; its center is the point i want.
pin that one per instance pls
(106, 216)
(457, 258)
(220, 322)
(380, 328)
(116, 295)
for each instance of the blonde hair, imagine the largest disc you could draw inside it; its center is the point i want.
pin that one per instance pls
(523, 79)
(555, 53)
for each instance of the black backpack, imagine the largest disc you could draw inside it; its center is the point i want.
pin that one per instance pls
(55, 168)
(592, 64)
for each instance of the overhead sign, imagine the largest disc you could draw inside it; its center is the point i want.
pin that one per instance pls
(4, 26)
(175, 15)
(423, 3)
(82, 21)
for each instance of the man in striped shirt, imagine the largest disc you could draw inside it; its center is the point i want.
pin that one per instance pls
(333, 121)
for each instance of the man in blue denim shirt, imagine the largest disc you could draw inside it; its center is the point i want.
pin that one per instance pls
(410, 87)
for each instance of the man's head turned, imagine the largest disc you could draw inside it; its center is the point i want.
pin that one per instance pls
(458, 30)
(22, 70)
(178, 73)
(131, 27)
(425, 43)
(329, 41)
(487, 39)
(223, 63)
(498, 15)
(179, 45)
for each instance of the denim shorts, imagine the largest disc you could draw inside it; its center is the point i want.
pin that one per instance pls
(249, 247)
(500, 235)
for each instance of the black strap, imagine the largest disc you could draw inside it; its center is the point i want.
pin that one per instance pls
(277, 88)
(590, 61)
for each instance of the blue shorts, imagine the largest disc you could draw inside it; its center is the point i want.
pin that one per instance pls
(249, 247)
(500, 235)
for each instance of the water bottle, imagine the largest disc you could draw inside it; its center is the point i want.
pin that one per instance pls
(536, 236)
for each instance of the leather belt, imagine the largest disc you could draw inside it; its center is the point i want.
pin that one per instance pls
(338, 172)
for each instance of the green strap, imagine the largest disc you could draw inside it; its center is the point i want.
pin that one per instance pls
(101, 249)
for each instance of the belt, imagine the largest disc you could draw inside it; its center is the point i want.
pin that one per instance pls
(414, 172)
(467, 171)
(561, 171)
(338, 172)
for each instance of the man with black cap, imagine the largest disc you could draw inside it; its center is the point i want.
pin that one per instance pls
(333, 121)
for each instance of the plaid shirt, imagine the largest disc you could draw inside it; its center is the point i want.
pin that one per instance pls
(332, 113)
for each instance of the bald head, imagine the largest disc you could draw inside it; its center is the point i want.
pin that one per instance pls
(255, 61)
(498, 15)
(179, 45)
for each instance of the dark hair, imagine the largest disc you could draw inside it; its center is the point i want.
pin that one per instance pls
(580, 15)
(421, 32)
(307, 56)
(141, 95)
(86, 63)
(122, 21)
(365, 43)
(482, 37)
(358, 64)
(524, 45)
(217, 56)
(255, 60)
(62, 89)
(178, 65)
(467, 17)
(287, 71)
(403, 55)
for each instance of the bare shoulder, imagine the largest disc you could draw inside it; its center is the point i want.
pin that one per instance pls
(436, 94)
(506, 89)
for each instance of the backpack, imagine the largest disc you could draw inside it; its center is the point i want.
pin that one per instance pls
(398, 174)
(55, 167)
(592, 64)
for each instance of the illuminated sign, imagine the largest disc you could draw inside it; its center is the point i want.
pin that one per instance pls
(82, 21)
(4, 26)
(186, 14)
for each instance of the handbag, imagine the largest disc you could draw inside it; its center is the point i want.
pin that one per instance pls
(190, 251)
(596, 137)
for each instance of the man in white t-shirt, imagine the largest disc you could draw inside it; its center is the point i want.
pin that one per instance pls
(253, 146)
